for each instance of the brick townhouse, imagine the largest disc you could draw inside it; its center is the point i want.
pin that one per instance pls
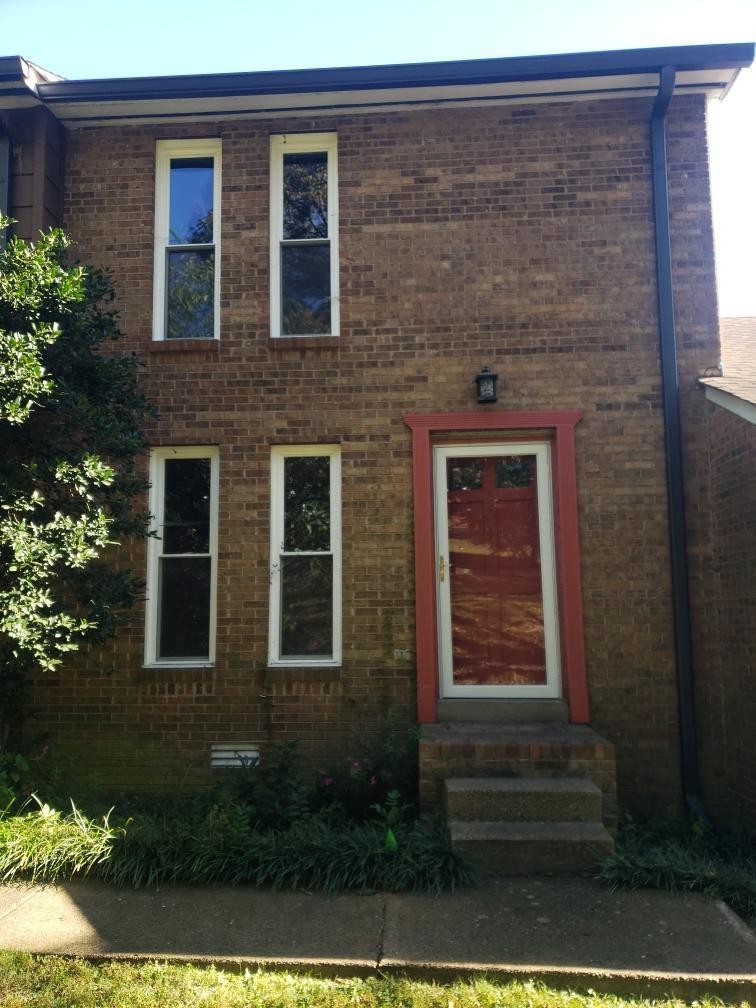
(424, 342)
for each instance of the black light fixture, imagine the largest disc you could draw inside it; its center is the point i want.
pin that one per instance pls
(486, 382)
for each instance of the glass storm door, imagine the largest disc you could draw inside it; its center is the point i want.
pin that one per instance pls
(496, 583)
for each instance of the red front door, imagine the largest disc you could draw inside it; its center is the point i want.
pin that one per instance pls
(496, 636)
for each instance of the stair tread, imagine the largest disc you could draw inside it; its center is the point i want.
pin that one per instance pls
(517, 785)
(530, 831)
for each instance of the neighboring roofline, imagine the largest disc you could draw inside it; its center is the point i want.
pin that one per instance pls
(729, 400)
(710, 69)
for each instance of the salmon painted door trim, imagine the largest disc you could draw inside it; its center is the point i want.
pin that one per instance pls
(562, 423)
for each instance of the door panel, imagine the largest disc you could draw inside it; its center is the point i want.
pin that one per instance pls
(496, 637)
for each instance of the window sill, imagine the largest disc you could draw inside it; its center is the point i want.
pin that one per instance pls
(205, 346)
(303, 342)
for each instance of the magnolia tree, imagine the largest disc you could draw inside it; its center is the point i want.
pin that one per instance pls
(71, 417)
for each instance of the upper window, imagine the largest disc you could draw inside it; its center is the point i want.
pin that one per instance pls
(181, 568)
(304, 258)
(187, 253)
(305, 536)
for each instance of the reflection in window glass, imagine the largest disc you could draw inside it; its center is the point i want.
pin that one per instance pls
(464, 474)
(305, 289)
(191, 201)
(186, 527)
(515, 471)
(304, 235)
(307, 503)
(305, 204)
(305, 556)
(306, 606)
(181, 568)
(191, 291)
(184, 607)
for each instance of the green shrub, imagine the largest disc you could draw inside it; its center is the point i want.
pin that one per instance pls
(14, 771)
(274, 790)
(225, 846)
(46, 846)
(685, 856)
(222, 843)
(355, 786)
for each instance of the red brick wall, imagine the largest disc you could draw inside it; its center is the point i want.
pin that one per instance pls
(516, 237)
(727, 703)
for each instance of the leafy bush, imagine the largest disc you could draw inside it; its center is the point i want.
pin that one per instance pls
(14, 770)
(312, 853)
(354, 787)
(46, 846)
(274, 791)
(685, 856)
(223, 844)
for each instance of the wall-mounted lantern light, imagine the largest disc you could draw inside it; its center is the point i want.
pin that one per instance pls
(486, 382)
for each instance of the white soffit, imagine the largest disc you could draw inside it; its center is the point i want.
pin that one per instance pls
(730, 401)
(140, 110)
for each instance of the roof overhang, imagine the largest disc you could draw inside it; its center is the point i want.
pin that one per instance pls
(708, 70)
(737, 396)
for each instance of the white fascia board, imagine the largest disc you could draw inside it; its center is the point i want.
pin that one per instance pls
(740, 407)
(91, 113)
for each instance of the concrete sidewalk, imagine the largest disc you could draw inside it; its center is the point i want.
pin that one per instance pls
(567, 932)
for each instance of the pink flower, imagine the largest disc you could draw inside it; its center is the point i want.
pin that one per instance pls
(373, 780)
(328, 781)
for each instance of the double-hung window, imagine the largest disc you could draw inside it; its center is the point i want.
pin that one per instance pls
(182, 557)
(304, 258)
(305, 531)
(187, 233)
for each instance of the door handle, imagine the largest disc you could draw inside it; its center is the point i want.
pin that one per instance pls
(441, 568)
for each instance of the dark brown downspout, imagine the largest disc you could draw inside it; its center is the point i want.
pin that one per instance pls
(5, 171)
(673, 447)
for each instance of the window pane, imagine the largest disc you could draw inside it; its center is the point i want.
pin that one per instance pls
(515, 471)
(191, 291)
(191, 210)
(184, 607)
(307, 503)
(186, 512)
(464, 474)
(305, 195)
(306, 289)
(306, 607)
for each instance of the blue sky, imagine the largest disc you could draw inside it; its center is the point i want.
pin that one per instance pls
(128, 38)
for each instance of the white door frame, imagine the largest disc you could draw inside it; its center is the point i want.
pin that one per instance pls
(542, 452)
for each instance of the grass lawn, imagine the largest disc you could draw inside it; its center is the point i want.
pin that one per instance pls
(50, 982)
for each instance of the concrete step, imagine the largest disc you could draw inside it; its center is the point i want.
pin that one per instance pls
(548, 750)
(533, 848)
(522, 799)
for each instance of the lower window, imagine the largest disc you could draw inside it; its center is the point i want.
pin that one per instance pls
(305, 593)
(182, 556)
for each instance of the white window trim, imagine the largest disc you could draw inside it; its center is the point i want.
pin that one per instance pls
(278, 455)
(158, 457)
(167, 149)
(302, 143)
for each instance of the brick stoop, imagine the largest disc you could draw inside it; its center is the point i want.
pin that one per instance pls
(522, 799)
